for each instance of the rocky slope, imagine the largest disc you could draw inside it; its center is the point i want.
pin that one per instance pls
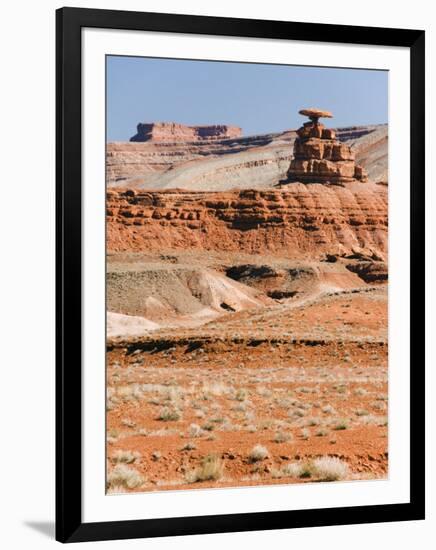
(230, 163)
(164, 292)
(372, 153)
(307, 221)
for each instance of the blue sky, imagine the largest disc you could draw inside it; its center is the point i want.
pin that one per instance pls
(259, 98)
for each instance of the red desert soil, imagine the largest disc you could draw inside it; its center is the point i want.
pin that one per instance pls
(305, 377)
(300, 400)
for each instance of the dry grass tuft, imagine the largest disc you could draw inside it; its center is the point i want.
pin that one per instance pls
(329, 468)
(282, 437)
(257, 453)
(189, 446)
(211, 469)
(341, 425)
(125, 457)
(241, 394)
(123, 476)
(128, 422)
(305, 434)
(292, 469)
(195, 431)
(313, 421)
(167, 414)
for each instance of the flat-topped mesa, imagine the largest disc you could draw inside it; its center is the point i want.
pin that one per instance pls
(319, 157)
(172, 132)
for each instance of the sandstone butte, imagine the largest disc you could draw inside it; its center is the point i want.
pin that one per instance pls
(173, 132)
(321, 158)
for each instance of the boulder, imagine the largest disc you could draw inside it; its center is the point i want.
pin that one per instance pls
(313, 112)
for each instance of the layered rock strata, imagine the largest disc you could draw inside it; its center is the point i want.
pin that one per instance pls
(227, 164)
(298, 222)
(319, 157)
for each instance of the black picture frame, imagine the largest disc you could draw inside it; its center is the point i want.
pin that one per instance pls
(69, 525)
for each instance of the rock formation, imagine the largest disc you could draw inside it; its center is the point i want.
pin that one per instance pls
(245, 162)
(319, 157)
(300, 221)
(172, 132)
(158, 164)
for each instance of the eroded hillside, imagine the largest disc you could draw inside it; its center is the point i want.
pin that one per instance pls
(299, 221)
(238, 163)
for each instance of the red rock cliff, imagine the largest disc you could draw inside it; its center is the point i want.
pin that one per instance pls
(301, 221)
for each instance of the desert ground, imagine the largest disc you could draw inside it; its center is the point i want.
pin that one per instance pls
(246, 324)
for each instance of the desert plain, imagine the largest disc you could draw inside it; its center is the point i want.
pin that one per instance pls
(246, 312)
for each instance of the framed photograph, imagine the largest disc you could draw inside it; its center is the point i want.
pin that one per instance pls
(240, 274)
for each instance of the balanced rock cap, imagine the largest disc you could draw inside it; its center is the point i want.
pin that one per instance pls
(315, 113)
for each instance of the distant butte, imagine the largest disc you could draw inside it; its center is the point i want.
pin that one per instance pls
(172, 132)
(319, 157)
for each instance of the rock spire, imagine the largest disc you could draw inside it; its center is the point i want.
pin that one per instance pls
(319, 157)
